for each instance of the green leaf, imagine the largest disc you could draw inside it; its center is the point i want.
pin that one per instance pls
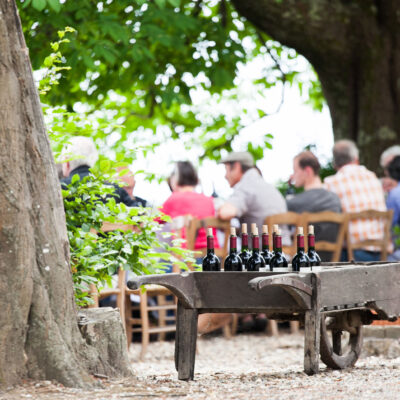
(55, 5)
(39, 4)
(160, 3)
(174, 3)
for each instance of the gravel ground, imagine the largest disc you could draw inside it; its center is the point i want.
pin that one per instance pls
(244, 367)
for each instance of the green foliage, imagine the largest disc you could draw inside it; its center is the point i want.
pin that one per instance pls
(89, 203)
(95, 255)
(142, 63)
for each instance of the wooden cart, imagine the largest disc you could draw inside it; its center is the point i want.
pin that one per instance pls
(333, 302)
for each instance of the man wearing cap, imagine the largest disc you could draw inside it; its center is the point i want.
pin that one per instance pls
(253, 199)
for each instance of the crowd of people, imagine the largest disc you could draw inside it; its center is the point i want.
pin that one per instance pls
(352, 189)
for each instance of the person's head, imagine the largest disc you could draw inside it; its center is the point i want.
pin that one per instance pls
(394, 168)
(125, 175)
(236, 164)
(184, 175)
(387, 156)
(81, 150)
(344, 152)
(306, 168)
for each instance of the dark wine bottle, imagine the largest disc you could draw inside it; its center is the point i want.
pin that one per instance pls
(313, 256)
(266, 253)
(278, 262)
(256, 261)
(245, 253)
(233, 262)
(300, 260)
(211, 261)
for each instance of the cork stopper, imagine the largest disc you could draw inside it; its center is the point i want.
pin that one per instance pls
(279, 232)
(311, 230)
(276, 228)
(233, 231)
(300, 230)
(209, 232)
(244, 228)
(265, 229)
(254, 229)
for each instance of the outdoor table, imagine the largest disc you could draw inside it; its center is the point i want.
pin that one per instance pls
(340, 298)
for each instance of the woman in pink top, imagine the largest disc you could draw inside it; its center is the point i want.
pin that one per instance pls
(185, 201)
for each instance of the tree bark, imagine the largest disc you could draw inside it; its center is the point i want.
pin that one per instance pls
(355, 48)
(39, 335)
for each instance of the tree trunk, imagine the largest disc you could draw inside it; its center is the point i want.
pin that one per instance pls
(39, 335)
(355, 48)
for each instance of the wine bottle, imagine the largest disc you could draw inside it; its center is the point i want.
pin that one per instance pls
(245, 253)
(233, 262)
(300, 260)
(278, 262)
(256, 261)
(266, 254)
(211, 261)
(313, 256)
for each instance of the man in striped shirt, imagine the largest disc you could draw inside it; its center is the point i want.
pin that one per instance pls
(358, 189)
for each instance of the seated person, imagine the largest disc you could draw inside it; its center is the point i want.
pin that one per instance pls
(393, 203)
(184, 200)
(128, 179)
(315, 198)
(358, 189)
(84, 155)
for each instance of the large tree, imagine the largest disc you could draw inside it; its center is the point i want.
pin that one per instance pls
(353, 46)
(39, 335)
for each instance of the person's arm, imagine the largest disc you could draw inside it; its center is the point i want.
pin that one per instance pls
(227, 211)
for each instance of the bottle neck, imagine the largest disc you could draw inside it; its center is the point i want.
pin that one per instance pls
(278, 244)
(300, 243)
(265, 242)
(245, 241)
(233, 244)
(210, 245)
(256, 244)
(274, 241)
(311, 242)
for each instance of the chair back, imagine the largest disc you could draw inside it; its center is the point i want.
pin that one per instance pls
(384, 216)
(210, 222)
(287, 218)
(328, 216)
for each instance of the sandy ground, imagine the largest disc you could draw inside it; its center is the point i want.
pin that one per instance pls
(245, 367)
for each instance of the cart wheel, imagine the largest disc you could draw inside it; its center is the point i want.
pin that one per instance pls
(339, 348)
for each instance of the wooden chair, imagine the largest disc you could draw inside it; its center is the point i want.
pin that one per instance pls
(164, 302)
(287, 218)
(119, 291)
(210, 222)
(383, 244)
(142, 322)
(328, 216)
